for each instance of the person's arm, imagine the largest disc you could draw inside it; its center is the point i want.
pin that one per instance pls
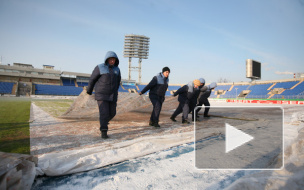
(151, 84)
(204, 89)
(181, 90)
(119, 80)
(93, 79)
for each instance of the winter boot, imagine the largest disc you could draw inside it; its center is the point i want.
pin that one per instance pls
(173, 119)
(185, 121)
(151, 123)
(156, 125)
(104, 134)
(195, 119)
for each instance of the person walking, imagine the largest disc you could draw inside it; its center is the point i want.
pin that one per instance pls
(106, 79)
(158, 87)
(187, 94)
(203, 99)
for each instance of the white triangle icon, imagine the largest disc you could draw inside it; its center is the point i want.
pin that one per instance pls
(235, 137)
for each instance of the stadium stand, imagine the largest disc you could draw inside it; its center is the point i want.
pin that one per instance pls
(23, 79)
(259, 90)
(285, 85)
(6, 87)
(141, 87)
(82, 84)
(174, 87)
(126, 87)
(219, 88)
(41, 89)
(235, 91)
(120, 89)
(68, 82)
(292, 93)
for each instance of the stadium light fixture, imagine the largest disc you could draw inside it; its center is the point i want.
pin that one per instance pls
(136, 46)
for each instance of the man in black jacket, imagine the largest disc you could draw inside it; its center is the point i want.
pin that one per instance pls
(158, 87)
(203, 98)
(186, 96)
(106, 80)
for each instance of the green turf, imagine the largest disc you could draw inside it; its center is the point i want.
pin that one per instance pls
(14, 125)
(14, 121)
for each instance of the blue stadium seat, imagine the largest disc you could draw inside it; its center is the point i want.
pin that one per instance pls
(68, 82)
(235, 91)
(285, 85)
(6, 87)
(296, 91)
(57, 90)
(259, 91)
(120, 89)
(82, 84)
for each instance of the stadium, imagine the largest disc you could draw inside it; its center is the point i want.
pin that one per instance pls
(68, 144)
(25, 80)
(51, 136)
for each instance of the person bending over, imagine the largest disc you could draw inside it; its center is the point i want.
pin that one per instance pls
(186, 96)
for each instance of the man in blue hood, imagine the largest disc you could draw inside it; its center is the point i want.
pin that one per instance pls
(203, 98)
(106, 80)
(158, 87)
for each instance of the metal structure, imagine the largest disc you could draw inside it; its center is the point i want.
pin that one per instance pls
(136, 46)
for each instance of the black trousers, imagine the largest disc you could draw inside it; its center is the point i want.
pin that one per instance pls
(157, 103)
(183, 107)
(205, 102)
(191, 108)
(107, 110)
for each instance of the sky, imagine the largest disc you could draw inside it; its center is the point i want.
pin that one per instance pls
(195, 39)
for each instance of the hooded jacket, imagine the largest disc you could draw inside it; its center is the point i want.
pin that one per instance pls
(187, 93)
(206, 90)
(106, 79)
(202, 80)
(157, 86)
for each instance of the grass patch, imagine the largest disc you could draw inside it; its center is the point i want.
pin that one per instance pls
(14, 125)
(54, 107)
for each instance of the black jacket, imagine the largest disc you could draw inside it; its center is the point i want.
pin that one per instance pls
(157, 86)
(205, 92)
(187, 93)
(106, 80)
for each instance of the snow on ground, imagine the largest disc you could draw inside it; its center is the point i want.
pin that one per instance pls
(173, 168)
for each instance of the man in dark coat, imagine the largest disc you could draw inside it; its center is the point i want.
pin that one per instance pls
(158, 87)
(186, 96)
(106, 79)
(203, 98)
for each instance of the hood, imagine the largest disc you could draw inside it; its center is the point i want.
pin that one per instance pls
(191, 87)
(111, 54)
(202, 80)
(212, 85)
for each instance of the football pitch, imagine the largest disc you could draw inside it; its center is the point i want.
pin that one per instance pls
(15, 121)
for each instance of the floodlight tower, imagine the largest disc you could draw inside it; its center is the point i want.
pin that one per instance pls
(136, 46)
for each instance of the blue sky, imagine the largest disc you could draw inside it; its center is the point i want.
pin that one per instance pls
(210, 39)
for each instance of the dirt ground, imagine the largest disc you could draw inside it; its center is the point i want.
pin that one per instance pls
(79, 126)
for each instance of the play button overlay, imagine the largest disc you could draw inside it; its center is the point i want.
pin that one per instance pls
(249, 138)
(235, 138)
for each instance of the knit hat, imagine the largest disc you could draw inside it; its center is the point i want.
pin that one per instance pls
(166, 69)
(197, 82)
